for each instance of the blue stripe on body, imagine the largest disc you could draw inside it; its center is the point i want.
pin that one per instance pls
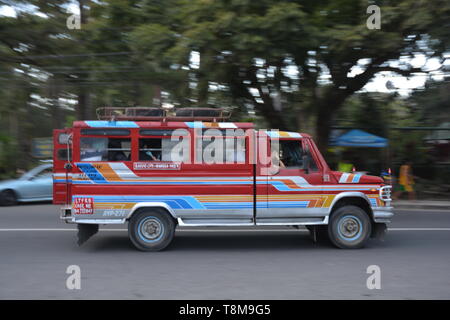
(91, 172)
(195, 124)
(112, 124)
(175, 202)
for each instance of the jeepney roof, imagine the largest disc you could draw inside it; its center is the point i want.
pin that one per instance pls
(185, 124)
(161, 124)
(286, 134)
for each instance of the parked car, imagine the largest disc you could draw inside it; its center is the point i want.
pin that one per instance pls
(34, 185)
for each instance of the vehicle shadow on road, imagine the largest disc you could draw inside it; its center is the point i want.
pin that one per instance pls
(291, 241)
(215, 242)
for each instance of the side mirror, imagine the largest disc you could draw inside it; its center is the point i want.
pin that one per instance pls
(305, 159)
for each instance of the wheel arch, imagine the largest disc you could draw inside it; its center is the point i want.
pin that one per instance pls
(358, 199)
(144, 205)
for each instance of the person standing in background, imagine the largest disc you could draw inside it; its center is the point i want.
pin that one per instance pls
(406, 181)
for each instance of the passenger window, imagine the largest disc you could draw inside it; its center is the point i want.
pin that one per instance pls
(158, 149)
(150, 149)
(220, 150)
(105, 149)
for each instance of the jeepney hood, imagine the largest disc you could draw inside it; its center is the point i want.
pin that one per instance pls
(342, 177)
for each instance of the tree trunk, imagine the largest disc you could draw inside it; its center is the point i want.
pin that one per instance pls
(327, 106)
(83, 111)
(323, 126)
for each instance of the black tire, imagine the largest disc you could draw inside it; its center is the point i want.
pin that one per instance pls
(151, 229)
(349, 227)
(8, 198)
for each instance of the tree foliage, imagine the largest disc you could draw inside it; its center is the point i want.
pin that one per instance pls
(294, 64)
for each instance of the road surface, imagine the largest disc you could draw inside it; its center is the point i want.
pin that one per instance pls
(36, 248)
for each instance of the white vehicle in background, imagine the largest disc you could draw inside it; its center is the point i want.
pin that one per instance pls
(34, 185)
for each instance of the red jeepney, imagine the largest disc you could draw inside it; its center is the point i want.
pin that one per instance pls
(161, 172)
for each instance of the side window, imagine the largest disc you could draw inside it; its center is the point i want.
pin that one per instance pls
(105, 149)
(161, 149)
(150, 149)
(46, 173)
(291, 155)
(312, 165)
(217, 149)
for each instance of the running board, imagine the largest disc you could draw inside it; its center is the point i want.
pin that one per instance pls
(291, 221)
(248, 222)
(214, 222)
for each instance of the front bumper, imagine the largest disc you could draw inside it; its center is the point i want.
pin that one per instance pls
(383, 214)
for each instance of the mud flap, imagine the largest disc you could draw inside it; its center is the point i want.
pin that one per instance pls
(318, 233)
(313, 234)
(379, 231)
(86, 231)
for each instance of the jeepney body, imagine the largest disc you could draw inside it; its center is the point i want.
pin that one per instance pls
(104, 171)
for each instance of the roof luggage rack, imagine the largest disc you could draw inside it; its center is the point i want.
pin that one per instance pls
(201, 114)
(134, 113)
(159, 114)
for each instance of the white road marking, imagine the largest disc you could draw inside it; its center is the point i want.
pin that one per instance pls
(211, 230)
(418, 229)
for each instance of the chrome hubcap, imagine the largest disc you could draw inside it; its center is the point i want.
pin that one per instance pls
(151, 229)
(349, 227)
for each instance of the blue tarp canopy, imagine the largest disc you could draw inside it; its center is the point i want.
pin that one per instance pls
(359, 138)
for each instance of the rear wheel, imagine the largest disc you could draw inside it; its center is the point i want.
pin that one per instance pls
(151, 229)
(8, 198)
(349, 227)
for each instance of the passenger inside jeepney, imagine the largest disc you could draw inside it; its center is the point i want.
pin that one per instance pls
(150, 149)
(115, 151)
(291, 154)
(276, 161)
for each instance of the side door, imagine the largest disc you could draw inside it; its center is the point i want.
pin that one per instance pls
(39, 184)
(294, 187)
(43, 184)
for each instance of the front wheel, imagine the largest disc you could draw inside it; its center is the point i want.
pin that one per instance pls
(151, 229)
(349, 227)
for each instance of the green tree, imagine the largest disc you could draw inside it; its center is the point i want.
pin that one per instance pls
(249, 47)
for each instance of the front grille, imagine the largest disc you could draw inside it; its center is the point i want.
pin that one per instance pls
(385, 193)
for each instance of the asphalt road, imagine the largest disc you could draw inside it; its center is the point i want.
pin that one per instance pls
(36, 248)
